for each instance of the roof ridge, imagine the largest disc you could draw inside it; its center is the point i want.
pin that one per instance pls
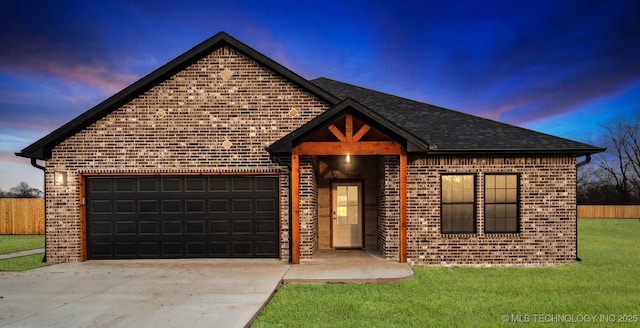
(383, 93)
(423, 107)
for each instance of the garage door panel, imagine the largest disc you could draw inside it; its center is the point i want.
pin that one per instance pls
(151, 228)
(239, 184)
(219, 248)
(101, 185)
(125, 206)
(219, 205)
(126, 249)
(196, 227)
(266, 184)
(242, 248)
(172, 227)
(170, 206)
(124, 185)
(195, 184)
(148, 206)
(150, 184)
(219, 184)
(266, 206)
(149, 249)
(101, 206)
(99, 228)
(126, 228)
(266, 227)
(241, 205)
(182, 216)
(101, 249)
(193, 206)
(264, 248)
(172, 184)
(242, 227)
(172, 249)
(219, 227)
(197, 249)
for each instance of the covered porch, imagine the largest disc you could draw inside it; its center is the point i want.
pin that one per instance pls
(348, 183)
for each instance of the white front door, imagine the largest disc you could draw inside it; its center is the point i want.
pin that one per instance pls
(347, 214)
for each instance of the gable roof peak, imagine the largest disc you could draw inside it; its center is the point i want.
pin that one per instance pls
(41, 149)
(353, 106)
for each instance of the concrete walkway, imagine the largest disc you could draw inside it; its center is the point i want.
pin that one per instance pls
(21, 253)
(348, 266)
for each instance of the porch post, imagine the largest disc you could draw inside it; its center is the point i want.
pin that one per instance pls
(295, 210)
(403, 207)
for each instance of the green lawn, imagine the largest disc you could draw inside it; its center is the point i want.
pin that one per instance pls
(15, 243)
(606, 282)
(22, 263)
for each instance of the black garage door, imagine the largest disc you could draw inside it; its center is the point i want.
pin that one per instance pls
(182, 217)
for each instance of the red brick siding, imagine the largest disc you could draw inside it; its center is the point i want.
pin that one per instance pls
(308, 208)
(388, 210)
(547, 213)
(180, 126)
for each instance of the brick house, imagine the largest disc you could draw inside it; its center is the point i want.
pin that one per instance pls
(224, 153)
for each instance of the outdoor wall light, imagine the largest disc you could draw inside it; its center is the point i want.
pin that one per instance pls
(60, 178)
(348, 158)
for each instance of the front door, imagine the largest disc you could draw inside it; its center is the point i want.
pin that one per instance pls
(347, 214)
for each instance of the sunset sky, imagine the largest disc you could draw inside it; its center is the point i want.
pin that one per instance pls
(559, 67)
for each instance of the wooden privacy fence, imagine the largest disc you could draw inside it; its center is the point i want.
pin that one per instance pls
(609, 211)
(21, 216)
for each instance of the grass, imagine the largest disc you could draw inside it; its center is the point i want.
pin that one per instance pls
(606, 282)
(22, 263)
(16, 243)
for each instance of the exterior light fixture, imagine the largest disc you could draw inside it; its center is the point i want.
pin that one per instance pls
(60, 178)
(348, 158)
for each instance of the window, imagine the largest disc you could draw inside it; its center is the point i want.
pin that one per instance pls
(458, 203)
(501, 203)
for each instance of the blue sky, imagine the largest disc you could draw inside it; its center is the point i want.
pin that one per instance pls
(560, 67)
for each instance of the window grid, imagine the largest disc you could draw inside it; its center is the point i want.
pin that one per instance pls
(501, 205)
(458, 203)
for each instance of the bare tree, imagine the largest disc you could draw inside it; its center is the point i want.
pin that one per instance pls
(631, 149)
(621, 163)
(23, 190)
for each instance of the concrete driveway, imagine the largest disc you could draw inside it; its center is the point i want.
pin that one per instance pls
(177, 293)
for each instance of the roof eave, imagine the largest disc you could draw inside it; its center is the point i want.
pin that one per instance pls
(525, 151)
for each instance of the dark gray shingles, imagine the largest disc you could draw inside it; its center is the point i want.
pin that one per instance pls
(448, 130)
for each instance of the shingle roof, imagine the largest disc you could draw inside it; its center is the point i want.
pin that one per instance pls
(449, 131)
(348, 105)
(443, 130)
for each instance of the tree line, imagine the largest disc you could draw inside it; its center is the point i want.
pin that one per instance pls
(614, 176)
(22, 190)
